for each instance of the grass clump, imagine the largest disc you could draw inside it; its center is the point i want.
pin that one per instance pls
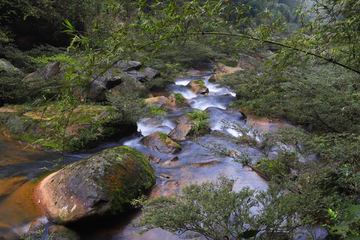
(202, 124)
(156, 111)
(200, 83)
(179, 98)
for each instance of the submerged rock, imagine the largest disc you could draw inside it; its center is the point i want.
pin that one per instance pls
(36, 225)
(103, 183)
(162, 143)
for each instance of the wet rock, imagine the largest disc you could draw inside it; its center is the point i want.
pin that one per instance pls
(192, 72)
(164, 176)
(59, 232)
(128, 65)
(156, 101)
(36, 225)
(185, 119)
(45, 73)
(180, 132)
(172, 185)
(103, 183)
(198, 87)
(171, 161)
(212, 78)
(175, 102)
(7, 67)
(162, 143)
(152, 158)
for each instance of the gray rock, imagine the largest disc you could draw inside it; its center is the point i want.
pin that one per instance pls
(144, 75)
(101, 84)
(128, 65)
(46, 72)
(6, 66)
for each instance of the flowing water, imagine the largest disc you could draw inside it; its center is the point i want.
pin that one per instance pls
(196, 164)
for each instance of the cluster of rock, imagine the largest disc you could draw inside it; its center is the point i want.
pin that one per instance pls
(122, 75)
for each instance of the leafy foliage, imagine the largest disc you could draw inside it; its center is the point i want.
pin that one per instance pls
(215, 211)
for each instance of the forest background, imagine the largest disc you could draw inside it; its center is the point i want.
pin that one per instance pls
(312, 77)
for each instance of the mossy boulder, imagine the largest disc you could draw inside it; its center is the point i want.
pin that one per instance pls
(87, 126)
(103, 183)
(7, 67)
(198, 87)
(162, 143)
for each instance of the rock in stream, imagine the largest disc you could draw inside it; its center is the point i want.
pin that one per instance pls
(103, 183)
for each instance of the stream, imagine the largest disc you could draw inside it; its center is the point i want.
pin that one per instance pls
(18, 165)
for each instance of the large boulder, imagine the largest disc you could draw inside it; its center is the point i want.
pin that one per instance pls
(103, 183)
(100, 85)
(131, 85)
(128, 65)
(7, 67)
(175, 102)
(198, 87)
(144, 75)
(46, 72)
(162, 143)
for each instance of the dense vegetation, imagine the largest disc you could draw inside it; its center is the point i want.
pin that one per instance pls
(311, 77)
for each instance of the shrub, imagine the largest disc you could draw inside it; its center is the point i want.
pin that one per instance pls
(215, 211)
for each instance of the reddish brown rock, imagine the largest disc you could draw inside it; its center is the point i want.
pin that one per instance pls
(152, 158)
(180, 132)
(162, 143)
